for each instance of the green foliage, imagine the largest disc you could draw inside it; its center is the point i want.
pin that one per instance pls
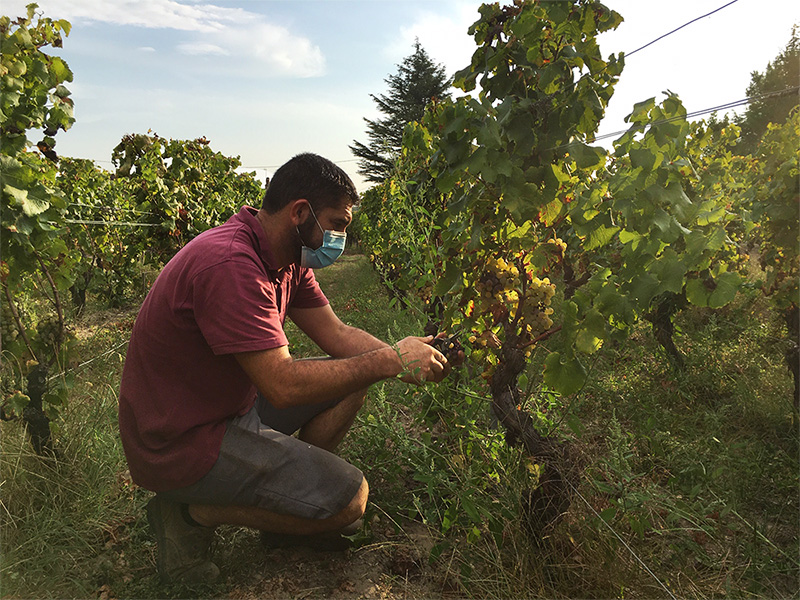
(163, 193)
(181, 188)
(33, 97)
(780, 75)
(102, 227)
(655, 228)
(772, 201)
(495, 168)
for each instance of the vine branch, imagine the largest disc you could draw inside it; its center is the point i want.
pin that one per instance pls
(18, 321)
(544, 336)
(56, 297)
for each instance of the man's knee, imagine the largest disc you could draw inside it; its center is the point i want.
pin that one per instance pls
(355, 509)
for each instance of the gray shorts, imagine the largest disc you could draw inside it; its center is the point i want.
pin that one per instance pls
(261, 464)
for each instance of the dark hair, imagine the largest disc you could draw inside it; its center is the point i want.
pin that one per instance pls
(312, 177)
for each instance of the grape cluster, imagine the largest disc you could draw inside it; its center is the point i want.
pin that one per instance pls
(561, 247)
(536, 310)
(7, 326)
(425, 292)
(499, 289)
(499, 281)
(498, 294)
(50, 333)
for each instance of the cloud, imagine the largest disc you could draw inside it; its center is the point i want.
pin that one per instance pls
(156, 14)
(275, 47)
(212, 30)
(199, 48)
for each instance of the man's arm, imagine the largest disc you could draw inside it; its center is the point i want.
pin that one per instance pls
(286, 382)
(332, 336)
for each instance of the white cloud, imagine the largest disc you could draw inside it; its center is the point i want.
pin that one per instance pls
(282, 52)
(211, 29)
(196, 49)
(156, 14)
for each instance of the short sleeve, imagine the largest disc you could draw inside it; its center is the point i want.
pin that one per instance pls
(236, 308)
(307, 292)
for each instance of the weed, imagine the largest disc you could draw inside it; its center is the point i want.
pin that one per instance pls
(693, 473)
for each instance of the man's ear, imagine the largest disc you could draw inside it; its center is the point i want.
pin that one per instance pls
(299, 210)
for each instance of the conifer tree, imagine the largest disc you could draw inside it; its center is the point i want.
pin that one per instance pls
(417, 80)
(781, 76)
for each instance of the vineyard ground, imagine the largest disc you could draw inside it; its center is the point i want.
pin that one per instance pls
(695, 471)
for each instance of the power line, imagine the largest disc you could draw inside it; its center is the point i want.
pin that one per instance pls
(706, 111)
(91, 360)
(268, 167)
(624, 543)
(679, 28)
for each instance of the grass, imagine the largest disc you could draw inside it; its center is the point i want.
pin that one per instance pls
(693, 474)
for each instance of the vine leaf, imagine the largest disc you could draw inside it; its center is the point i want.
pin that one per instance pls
(599, 237)
(591, 332)
(714, 294)
(563, 374)
(587, 157)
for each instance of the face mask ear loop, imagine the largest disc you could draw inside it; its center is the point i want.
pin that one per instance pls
(313, 214)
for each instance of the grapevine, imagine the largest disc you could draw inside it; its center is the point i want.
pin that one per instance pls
(494, 168)
(36, 261)
(539, 240)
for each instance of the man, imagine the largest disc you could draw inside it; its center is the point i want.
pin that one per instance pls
(211, 396)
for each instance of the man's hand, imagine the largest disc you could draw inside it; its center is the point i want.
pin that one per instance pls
(451, 347)
(421, 361)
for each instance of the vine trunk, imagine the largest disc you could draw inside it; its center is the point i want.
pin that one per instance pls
(544, 506)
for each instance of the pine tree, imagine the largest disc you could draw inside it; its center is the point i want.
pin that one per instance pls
(417, 81)
(781, 75)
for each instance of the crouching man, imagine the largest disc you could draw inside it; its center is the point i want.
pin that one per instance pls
(211, 397)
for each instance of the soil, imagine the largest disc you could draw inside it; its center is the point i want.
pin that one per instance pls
(93, 322)
(390, 566)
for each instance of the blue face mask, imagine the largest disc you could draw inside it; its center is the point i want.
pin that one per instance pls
(324, 256)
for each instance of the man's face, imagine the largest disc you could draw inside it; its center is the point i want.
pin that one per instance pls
(334, 218)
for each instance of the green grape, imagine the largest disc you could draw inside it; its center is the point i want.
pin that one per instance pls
(7, 324)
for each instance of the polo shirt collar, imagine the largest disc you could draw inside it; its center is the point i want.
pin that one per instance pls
(247, 215)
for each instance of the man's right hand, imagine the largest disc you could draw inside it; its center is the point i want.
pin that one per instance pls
(421, 361)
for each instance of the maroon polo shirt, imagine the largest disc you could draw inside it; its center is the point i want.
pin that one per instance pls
(218, 296)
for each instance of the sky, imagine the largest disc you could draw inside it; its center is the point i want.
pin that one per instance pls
(267, 79)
